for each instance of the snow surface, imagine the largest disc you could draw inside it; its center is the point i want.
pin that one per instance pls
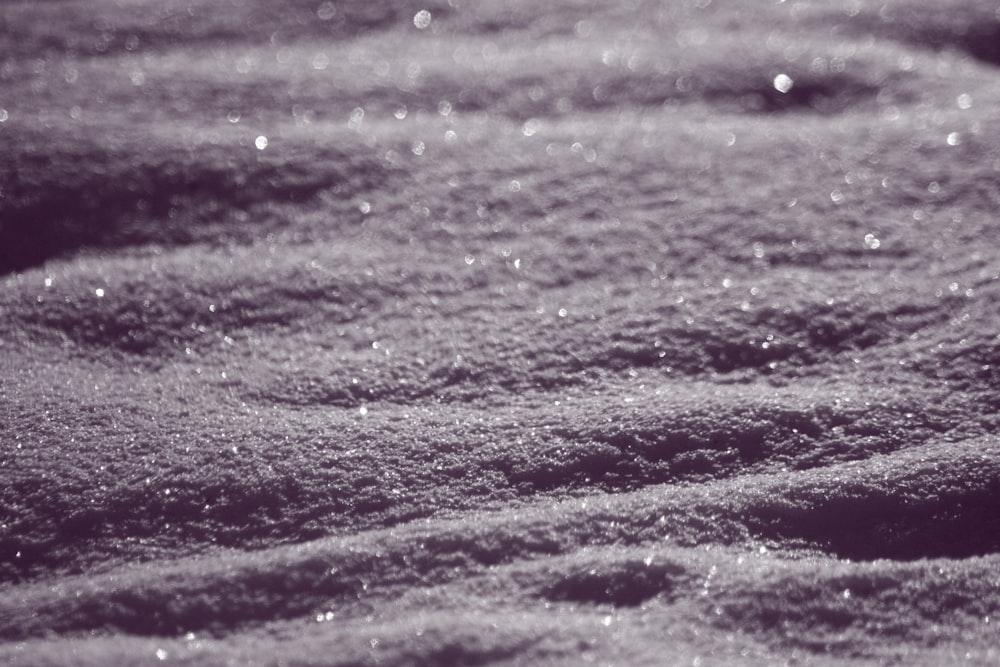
(449, 332)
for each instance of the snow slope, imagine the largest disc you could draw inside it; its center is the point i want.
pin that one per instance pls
(453, 332)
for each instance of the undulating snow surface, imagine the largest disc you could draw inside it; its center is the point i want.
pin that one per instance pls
(447, 332)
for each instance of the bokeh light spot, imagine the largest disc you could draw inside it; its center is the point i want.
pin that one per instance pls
(783, 83)
(422, 19)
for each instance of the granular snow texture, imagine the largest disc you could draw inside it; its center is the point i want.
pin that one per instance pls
(381, 332)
